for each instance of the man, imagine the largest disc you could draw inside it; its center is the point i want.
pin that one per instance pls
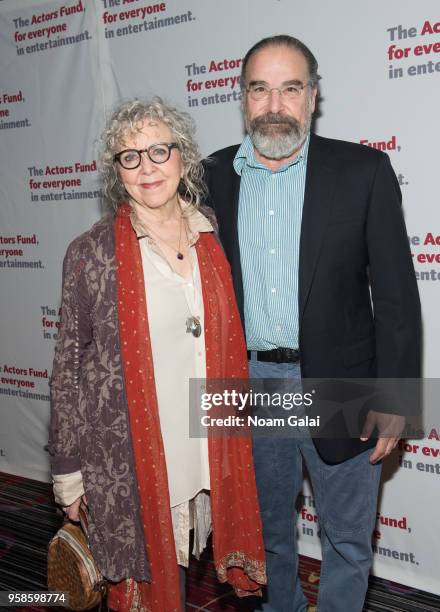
(312, 227)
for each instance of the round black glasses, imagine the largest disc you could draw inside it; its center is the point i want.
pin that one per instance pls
(158, 153)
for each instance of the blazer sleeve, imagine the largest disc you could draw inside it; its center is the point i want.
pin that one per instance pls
(75, 334)
(394, 291)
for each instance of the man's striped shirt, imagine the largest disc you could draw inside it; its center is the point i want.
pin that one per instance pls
(269, 226)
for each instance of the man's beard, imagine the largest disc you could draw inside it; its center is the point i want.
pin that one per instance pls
(277, 136)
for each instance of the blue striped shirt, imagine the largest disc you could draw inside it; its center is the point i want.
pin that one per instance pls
(269, 226)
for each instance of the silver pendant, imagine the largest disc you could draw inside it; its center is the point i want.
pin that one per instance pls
(193, 326)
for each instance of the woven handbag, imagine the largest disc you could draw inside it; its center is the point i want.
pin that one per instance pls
(71, 568)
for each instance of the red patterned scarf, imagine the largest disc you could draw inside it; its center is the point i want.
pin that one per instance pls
(237, 535)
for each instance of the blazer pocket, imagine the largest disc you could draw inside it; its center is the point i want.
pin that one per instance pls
(359, 352)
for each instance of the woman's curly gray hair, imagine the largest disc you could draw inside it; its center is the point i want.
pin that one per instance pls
(125, 122)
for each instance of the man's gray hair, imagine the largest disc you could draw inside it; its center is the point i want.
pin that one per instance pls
(125, 122)
(282, 40)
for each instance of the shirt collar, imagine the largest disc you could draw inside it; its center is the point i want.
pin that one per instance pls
(196, 222)
(245, 156)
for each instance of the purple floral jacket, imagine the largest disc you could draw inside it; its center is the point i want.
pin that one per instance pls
(89, 428)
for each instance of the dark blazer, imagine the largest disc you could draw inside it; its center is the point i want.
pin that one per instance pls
(353, 240)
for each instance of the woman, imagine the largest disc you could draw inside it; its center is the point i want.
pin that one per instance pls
(148, 304)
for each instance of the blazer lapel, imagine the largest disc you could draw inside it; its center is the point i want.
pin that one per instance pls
(320, 183)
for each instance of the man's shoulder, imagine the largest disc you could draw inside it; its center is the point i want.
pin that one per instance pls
(219, 173)
(222, 156)
(345, 149)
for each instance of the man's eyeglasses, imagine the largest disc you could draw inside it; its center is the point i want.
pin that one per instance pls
(158, 153)
(260, 91)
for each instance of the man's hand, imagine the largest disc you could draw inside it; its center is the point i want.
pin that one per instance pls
(72, 511)
(389, 427)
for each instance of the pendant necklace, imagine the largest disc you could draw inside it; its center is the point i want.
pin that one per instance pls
(193, 326)
(179, 253)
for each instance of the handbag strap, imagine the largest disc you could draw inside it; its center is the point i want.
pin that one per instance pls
(84, 519)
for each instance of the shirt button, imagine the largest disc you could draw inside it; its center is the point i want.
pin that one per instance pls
(273, 290)
(272, 251)
(271, 212)
(278, 328)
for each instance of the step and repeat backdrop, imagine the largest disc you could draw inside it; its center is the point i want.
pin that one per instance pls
(65, 64)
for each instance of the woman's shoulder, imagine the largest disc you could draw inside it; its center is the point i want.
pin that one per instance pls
(98, 238)
(101, 230)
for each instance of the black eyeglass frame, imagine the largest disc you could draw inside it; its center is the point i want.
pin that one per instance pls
(170, 146)
(281, 90)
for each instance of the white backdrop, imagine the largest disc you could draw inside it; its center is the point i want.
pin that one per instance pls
(64, 64)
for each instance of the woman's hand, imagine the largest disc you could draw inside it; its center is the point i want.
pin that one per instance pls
(72, 511)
